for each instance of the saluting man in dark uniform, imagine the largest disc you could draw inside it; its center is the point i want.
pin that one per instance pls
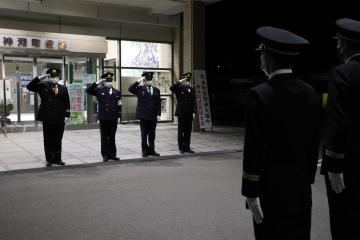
(148, 110)
(185, 108)
(281, 142)
(109, 111)
(341, 160)
(54, 107)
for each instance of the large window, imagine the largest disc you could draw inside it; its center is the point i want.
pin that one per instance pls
(137, 57)
(112, 56)
(112, 61)
(145, 54)
(161, 80)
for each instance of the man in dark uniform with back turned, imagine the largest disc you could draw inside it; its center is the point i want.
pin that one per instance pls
(185, 108)
(148, 109)
(54, 107)
(341, 160)
(281, 142)
(109, 111)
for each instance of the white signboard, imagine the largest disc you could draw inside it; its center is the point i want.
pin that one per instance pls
(202, 99)
(25, 79)
(76, 103)
(89, 78)
(17, 41)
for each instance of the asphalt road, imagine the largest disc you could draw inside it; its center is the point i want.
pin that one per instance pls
(182, 199)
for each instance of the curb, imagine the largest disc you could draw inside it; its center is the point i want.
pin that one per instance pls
(125, 161)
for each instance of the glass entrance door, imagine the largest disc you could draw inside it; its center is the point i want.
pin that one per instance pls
(81, 72)
(77, 73)
(18, 72)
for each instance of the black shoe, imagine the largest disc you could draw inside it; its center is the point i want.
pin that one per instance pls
(48, 164)
(105, 159)
(60, 163)
(190, 151)
(145, 154)
(154, 153)
(115, 158)
(182, 151)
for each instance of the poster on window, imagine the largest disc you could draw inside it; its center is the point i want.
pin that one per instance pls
(145, 54)
(202, 99)
(165, 108)
(76, 103)
(25, 78)
(88, 78)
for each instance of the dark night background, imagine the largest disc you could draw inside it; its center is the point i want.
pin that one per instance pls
(232, 64)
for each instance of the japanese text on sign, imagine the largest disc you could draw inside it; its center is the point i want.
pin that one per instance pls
(202, 99)
(76, 103)
(11, 41)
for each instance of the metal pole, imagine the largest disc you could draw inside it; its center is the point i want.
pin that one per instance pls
(3, 77)
(18, 97)
(36, 102)
(118, 62)
(63, 70)
(18, 92)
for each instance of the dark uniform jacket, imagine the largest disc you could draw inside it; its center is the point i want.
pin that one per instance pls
(342, 144)
(185, 105)
(148, 106)
(281, 143)
(53, 109)
(109, 110)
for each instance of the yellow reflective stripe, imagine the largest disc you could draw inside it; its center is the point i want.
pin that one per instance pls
(334, 154)
(67, 110)
(251, 177)
(324, 99)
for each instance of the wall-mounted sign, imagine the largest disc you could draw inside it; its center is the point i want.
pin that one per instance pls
(13, 41)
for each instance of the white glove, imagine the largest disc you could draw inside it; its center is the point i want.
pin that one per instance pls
(158, 118)
(337, 182)
(193, 115)
(100, 81)
(181, 80)
(255, 208)
(140, 80)
(44, 78)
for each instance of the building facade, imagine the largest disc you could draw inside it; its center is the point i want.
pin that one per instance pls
(85, 39)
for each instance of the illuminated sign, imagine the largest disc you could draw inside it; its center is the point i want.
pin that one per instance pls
(11, 41)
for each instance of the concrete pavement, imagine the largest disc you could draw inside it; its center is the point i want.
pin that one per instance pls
(197, 198)
(25, 150)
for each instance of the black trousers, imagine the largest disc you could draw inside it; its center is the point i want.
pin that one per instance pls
(107, 132)
(279, 225)
(147, 128)
(184, 132)
(53, 134)
(344, 208)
